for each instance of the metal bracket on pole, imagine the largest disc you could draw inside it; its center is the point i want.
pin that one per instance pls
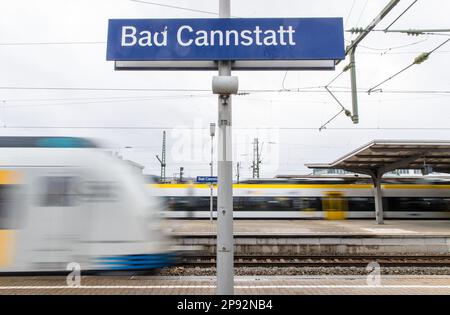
(354, 113)
(351, 50)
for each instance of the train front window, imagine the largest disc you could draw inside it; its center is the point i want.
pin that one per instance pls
(59, 191)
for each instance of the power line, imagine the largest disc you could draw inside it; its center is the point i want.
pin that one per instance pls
(418, 60)
(350, 12)
(312, 89)
(354, 43)
(52, 43)
(395, 47)
(169, 99)
(284, 79)
(400, 15)
(324, 126)
(101, 102)
(175, 7)
(178, 7)
(100, 89)
(364, 9)
(409, 32)
(120, 98)
(207, 128)
(401, 52)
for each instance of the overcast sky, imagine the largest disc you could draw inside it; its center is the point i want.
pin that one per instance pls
(62, 44)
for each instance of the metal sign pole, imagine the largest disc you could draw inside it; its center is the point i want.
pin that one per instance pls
(212, 132)
(225, 257)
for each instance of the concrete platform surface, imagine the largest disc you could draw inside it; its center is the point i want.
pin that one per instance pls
(245, 285)
(431, 228)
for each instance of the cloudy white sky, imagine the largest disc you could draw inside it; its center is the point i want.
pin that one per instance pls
(62, 44)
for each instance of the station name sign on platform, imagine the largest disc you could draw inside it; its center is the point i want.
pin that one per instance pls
(287, 39)
(206, 179)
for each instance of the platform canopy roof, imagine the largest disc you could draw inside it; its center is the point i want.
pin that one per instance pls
(381, 156)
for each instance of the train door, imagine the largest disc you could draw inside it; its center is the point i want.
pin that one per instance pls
(334, 205)
(55, 218)
(9, 184)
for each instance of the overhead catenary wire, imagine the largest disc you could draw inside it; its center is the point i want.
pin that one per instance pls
(371, 26)
(312, 89)
(401, 14)
(394, 47)
(62, 88)
(284, 79)
(350, 12)
(52, 43)
(120, 98)
(175, 7)
(350, 50)
(399, 52)
(104, 42)
(410, 32)
(337, 76)
(324, 126)
(178, 7)
(418, 60)
(362, 12)
(101, 102)
(31, 103)
(207, 128)
(343, 109)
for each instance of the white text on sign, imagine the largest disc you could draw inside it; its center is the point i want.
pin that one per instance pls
(187, 36)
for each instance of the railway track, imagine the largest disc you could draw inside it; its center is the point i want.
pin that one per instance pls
(323, 261)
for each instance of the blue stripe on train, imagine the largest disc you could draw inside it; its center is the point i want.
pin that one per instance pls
(133, 262)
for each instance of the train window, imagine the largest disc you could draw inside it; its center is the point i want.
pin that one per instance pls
(246, 203)
(306, 203)
(6, 207)
(418, 204)
(59, 191)
(276, 203)
(100, 191)
(361, 203)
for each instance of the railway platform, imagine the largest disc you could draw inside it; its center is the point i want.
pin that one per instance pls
(319, 237)
(244, 285)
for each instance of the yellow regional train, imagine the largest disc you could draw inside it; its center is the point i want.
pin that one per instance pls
(316, 197)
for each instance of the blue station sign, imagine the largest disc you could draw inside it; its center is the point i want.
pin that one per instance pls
(225, 39)
(206, 179)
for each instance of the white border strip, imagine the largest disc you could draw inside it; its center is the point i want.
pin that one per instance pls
(236, 65)
(112, 287)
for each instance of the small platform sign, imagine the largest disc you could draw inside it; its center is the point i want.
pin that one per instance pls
(206, 179)
(316, 41)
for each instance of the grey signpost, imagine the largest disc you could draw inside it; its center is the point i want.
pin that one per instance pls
(212, 133)
(225, 254)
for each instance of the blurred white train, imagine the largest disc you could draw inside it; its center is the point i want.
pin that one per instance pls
(63, 200)
(316, 197)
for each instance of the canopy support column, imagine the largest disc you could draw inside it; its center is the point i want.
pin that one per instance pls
(378, 196)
